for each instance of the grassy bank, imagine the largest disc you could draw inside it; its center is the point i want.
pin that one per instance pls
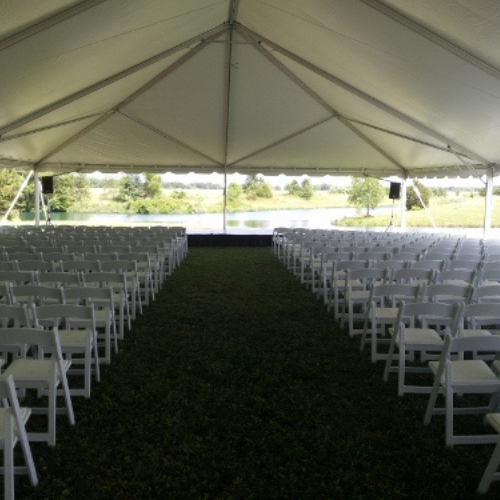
(452, 211)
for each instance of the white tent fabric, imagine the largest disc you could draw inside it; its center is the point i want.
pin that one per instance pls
(340, 87)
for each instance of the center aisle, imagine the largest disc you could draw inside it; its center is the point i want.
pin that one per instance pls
(237, 384)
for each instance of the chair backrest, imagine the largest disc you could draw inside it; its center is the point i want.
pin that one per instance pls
(445, 318)
(84, 266)
(434, 265)
(367, 276)
(59, 278)
(411, 275)
(14, 316)
(63, 315)
(34, 294)
(466, 276)
(19, 277)
(89, 295)
(478, 315)
(447, 292)
(487, 293)
(391, 294)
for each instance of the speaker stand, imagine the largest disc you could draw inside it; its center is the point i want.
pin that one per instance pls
(390, 227)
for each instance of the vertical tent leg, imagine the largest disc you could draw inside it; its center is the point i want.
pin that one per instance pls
(38, 195)
(224, 215)
(488, 208)
(403, 203)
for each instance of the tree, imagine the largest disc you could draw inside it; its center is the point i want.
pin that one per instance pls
(130, 188)
(366, 192)
(68, 188)
(255, 187)
(306, 190)
(412, 199)
(10, 182)
(303, 190)
(233, 192)
(152, 185)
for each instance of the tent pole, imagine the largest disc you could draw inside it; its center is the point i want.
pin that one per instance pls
(488, 207)
(38, 194)
(225, 201)
(403, 202)
(14, 201)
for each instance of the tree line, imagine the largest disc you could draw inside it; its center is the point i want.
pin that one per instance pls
(145, 193)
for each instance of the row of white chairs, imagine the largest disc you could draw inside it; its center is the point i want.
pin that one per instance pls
(56, 329)
(436, 323)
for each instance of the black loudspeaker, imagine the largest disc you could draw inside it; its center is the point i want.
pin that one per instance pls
(47, 185)
(395, 191)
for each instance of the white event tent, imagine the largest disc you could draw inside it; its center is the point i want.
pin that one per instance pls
(398, 89)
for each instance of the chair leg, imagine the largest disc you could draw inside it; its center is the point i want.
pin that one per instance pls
(490, 473)
(8, 454)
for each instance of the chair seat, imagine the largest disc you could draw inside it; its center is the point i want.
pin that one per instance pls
(31, 373)
(423, 336)
(470, 371)
(72, 338)
(385, 313)
(474, 332)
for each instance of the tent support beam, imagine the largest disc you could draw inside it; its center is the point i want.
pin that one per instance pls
(402, 136)
(315, 96)
(48, 23)
(49, 127)
(281, 141)
(433, 37)
(363, 95)
(72, 139)
(488, 202)
(14, 201)
(163, 74)
(468, 165)
(404, 189)
(227, 113)
(38, 195)
(110, 80)
(169, 137)
(371, 143)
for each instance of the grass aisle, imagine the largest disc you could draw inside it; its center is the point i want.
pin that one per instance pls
(237, 384)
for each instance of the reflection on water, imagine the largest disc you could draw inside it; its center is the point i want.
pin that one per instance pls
(321, 218)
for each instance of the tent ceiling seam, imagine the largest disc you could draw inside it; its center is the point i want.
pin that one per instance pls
(433, 37)
(366, 97)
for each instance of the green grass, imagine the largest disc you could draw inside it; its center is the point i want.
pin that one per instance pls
(452, 211)
(236, 383)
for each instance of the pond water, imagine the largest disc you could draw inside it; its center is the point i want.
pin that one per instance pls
(319, 218)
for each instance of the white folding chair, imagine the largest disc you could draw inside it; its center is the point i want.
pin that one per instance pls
(419, 328)
(454, 374)
(357, 295)
(77, 337)
(42, 374)
(13, 419)
(102, 299)
(382, 312)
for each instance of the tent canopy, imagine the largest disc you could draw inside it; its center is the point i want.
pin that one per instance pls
(339, 87)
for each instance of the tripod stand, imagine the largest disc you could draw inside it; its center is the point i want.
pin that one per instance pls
(390, 227)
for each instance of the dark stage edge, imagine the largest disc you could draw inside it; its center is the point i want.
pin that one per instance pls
(229, 240)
